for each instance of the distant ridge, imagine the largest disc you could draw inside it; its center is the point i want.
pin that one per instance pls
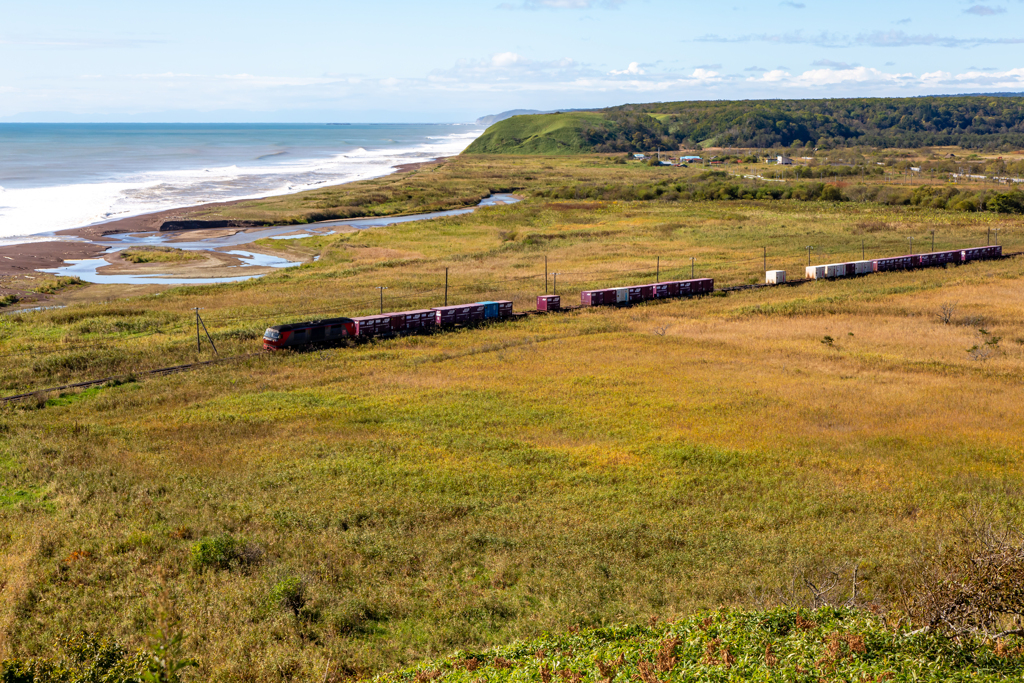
(494, 118)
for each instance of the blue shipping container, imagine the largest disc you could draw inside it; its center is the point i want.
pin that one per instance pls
(490, 309)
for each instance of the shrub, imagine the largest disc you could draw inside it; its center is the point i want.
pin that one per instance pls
(289, 594)
(223, 552)
(831, 193)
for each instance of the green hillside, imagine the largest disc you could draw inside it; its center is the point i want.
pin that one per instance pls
(975, 122)
(542, 134)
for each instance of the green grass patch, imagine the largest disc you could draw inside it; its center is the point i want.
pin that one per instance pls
(160, 255)
(780, 646)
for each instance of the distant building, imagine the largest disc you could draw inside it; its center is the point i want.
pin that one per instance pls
(784, 161)
(689, 159)
(638, 155)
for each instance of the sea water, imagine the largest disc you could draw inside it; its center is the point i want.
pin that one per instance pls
(58, 176)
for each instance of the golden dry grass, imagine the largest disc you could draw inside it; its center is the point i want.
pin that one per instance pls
(468, 488)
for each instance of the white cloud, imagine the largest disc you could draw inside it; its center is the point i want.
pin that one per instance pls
(632, 70)
(506, 59)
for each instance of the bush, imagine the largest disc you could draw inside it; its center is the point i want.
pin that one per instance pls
(223, 552)
(289, 594)
(831, 193)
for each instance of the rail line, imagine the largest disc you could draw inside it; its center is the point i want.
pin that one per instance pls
(190, 366)
(121, 378)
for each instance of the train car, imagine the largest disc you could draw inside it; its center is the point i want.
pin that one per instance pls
(700, 285)
(373, 325)
(598, 297)
(815, 272)
(549, 302)
(311, 332)
(641, 293)
(413, 321)
(981, 253)
(497, 309)
(458, 315)
(884, 265)
(940, 258)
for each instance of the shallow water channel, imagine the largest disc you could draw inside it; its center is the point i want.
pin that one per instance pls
(86, 269)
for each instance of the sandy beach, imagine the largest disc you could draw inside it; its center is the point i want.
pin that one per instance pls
(22, 259)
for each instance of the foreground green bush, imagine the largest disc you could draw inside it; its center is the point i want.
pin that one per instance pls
(780, 645)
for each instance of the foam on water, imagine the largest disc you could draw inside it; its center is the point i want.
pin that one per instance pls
(32, 210)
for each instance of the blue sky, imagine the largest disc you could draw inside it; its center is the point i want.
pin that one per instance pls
(454, 61)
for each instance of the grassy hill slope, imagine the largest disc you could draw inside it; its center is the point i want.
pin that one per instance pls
(540, 134)
(977, 122)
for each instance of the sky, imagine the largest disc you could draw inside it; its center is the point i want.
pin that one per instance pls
(456, 60)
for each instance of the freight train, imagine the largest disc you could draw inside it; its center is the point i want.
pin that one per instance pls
(908, 262)
(428, 319)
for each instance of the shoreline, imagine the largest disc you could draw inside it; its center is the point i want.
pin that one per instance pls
(27, 257)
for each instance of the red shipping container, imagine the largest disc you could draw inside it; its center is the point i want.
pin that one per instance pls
(456, 315)
(372, 325)
(597, 297)
(549, 302)
(504, 308)
(643, 293)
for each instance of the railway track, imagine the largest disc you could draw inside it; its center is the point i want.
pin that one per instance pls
(190, 366)
(122, 378)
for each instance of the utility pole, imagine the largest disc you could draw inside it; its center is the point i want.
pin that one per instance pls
(199, 321)
(933, 241)
(446, 286)
(555, 286)
(658, 271)
(809, 254)
(382, 299)
(765, 267)
(988, 237)
(545, 273)
(691, 267)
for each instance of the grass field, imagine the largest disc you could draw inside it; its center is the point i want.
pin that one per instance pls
(356, 509)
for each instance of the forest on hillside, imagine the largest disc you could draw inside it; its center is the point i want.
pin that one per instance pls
(973, 122)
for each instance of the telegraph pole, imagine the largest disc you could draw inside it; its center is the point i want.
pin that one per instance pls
(809, 254)
(445, 286)
(382, 299)
(658, 271)
(555, 286)
(199, 321)
(933, 240)
(691, 267)
(545, 274)
(765, 249)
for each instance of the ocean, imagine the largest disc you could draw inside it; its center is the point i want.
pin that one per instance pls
(58, 176)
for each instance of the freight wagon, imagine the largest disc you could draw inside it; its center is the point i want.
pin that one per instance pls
(620, 296)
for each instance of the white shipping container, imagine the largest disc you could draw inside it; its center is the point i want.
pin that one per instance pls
(775, 277)
(864, 267)
(815, 272)
(622, 295)
(835, 270)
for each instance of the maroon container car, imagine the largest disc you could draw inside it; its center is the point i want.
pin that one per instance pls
(458, 315)
(883, 265)
(415, 320)
(597, 297)
(701, 285)
(979, 253)
(373, 325)
(549, 302)
(641, 293)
